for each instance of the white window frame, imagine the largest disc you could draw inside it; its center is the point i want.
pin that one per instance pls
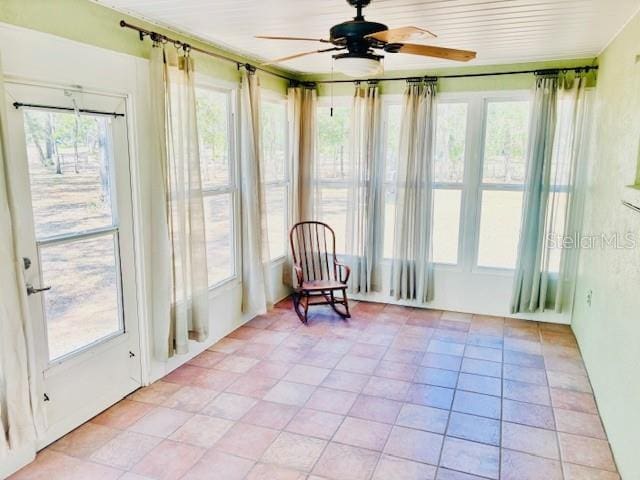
(232, 188)
(270, 96)
(472, 186)
(478, 186)
(389, 100)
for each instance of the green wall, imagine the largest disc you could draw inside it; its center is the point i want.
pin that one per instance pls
(93, 24)
(609, 331)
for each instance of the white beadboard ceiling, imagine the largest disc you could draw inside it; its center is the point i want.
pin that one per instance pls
(501, 31)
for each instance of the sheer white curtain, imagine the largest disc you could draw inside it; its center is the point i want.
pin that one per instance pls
(179, 260)
(303, 105)
(412, 265)
(257, 296)
(575, 125)
(20, 408)
(552, 207)
(364, 211)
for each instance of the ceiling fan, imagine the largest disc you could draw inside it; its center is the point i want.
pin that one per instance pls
(359, 39)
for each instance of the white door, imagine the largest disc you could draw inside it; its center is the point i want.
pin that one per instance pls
(70, 166)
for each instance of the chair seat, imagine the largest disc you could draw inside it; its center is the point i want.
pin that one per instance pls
(319, 285)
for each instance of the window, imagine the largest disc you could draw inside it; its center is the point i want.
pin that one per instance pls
(448, 173)
(333, 170)
(392, 125)
(276, 173)
(448, 178)
(217, 160)
(502, 182)
(478, 176)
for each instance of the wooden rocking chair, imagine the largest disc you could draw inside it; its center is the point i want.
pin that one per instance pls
(318, 272)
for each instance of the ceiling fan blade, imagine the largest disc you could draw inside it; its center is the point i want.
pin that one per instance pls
(298, 55)
(438, 52)
(399, 35)
(268, 37)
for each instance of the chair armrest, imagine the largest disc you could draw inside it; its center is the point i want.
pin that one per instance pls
(344, 272)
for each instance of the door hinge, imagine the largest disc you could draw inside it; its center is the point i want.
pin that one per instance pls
(131, 354)
(46, 397)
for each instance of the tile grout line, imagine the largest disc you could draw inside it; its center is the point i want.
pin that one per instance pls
(446, 429)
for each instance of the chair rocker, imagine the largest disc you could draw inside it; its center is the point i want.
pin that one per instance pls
(319, 274)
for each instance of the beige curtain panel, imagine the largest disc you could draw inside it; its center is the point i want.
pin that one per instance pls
(20, 407)
(412, 265)
(180, 280)
(303, 105)
(553, 200)
(364, 213)
(257, 296)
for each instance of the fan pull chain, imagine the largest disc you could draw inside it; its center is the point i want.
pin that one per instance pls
(331, 86)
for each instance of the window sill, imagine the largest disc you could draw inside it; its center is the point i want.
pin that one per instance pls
(277, 261)
(223, 287)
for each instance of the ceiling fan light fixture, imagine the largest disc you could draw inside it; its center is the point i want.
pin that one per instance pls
(358, 65)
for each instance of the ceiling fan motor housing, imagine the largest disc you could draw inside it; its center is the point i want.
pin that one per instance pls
(352, 35)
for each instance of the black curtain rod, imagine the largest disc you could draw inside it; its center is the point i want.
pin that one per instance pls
(158, 37)
(463, 75)
(66, 109)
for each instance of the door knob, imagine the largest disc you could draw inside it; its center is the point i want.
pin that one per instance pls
(31, 289)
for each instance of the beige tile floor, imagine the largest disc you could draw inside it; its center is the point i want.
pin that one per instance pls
(393, 394)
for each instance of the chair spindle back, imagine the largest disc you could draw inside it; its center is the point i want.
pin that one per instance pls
(313, 246)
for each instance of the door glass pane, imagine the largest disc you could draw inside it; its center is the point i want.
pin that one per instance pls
(218, 214)
(277, 220)
(506, 135)
(212, 109)
(333, 143)
(451, 134)
(69, 160)
(499, 228)
(332, 209)
(446, 225)
(274, 139)
(82, 305)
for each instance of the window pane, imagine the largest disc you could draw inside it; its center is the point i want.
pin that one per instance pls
(499, 228)
(450, 142)
(82, 305)
(506, 135)
(446, 225)
(276, 197)
(218, 212)
(332, 209)
(389, 219)
(393, 119)
(274, 139)
(561, 171)
(70, 161)
(333, 143)
(213, 134)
